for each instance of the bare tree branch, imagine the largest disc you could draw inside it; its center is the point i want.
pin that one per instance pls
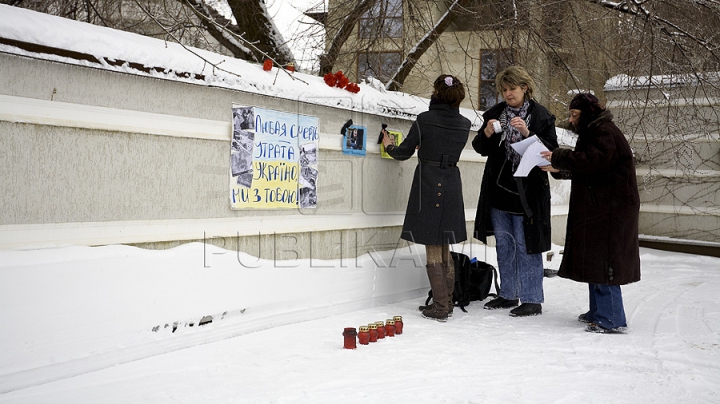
(396, 82)
(221, 29)
(259, 29)
(214, 65)
(328, 59)
(636, 7)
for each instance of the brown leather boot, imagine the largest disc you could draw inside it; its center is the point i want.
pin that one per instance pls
(438, 283)
(450, 284)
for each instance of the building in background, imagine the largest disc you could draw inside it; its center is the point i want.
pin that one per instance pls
(478, 39)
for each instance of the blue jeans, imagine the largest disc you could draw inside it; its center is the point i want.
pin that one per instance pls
(521, 274)
(606, 306)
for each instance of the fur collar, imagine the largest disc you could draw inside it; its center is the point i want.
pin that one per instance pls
(605, 116)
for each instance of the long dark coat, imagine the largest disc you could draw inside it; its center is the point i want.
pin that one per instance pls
(601, 244)
(435, 212)
(536, 184)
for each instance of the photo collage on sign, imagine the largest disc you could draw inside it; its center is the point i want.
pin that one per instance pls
(273, 159)
(242, 146)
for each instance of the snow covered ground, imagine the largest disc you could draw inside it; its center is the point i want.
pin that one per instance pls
(118, 324)
(78, 325)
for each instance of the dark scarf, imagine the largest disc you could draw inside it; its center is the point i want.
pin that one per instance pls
(512, 135)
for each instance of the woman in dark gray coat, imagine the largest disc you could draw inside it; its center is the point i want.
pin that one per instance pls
(601, 243)
(435, 214)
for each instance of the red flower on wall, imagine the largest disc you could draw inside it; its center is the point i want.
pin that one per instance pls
(329, 79)
(353, 88)
(338, 79)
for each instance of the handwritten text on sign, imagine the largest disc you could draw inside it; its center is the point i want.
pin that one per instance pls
(277, 139)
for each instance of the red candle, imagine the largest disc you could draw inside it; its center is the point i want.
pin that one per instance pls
(350, 335)
(364, 335)
(398, 324)
(381, 329)
(373, 332)
(290, 67)
(390, 327)
(267, 65)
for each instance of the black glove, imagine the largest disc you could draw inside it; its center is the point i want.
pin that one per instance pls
(381, 133)
(347, 125)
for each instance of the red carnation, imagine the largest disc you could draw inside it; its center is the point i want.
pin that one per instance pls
(340, 79)
(267, 65)
(353, 88)
(330, 79)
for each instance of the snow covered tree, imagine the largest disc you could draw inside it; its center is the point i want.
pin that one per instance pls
(196, 23)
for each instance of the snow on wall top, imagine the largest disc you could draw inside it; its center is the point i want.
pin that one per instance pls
(29, 33)
(624, 82)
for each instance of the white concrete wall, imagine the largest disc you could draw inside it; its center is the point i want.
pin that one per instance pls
(674, 129)
(92, 157)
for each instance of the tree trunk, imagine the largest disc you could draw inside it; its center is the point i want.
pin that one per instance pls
(396, 82)
(218, 26)
(259, 32)
(328, 59)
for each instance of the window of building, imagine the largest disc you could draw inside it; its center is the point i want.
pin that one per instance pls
(380, 65)
(383, 20)
(492, 62)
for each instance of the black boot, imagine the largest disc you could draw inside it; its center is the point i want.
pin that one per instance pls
(500, 303)
(439, 309)
(527, 309)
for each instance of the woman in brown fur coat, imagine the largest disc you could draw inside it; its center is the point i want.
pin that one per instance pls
(601, 243)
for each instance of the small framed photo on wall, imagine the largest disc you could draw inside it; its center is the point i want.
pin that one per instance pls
(354, 140)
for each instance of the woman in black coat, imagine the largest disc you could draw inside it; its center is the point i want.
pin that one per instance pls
(601, 243)
(515, 210)
(435, 214)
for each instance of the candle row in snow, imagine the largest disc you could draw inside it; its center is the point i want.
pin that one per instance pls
(372, 332)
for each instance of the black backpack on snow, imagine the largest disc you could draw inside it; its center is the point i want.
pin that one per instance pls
(472, 281)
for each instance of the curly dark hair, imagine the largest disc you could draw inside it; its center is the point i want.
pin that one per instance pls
(449, 89)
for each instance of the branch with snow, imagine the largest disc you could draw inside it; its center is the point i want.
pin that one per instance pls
(670, 28)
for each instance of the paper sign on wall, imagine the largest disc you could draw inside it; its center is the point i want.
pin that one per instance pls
(273, 159)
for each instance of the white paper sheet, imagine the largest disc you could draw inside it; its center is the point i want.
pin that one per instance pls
(522, 145)
(529, 149)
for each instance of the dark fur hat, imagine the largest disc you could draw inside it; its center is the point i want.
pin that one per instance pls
(587, 103)
(590, 108)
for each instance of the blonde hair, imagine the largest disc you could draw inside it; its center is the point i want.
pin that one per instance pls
(515, 76)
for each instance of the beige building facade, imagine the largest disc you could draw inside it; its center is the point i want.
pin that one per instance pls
(482, 39)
